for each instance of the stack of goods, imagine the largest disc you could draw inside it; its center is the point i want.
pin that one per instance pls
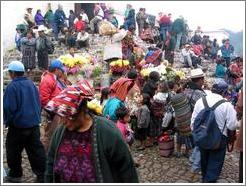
(107, 28)
(183, 113)
(166, 144)
(119, 66)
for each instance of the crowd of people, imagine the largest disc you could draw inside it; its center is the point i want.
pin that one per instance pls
(80, 146)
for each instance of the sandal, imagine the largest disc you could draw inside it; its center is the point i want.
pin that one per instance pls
(140, 148)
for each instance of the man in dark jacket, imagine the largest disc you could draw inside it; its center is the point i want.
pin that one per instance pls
(22, 115)
(59, 21)
(178, 27)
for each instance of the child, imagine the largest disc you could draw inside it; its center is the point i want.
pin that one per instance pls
(104, 96)
(143, 120)
(123, 115)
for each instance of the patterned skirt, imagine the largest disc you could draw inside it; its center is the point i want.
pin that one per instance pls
(186, 140)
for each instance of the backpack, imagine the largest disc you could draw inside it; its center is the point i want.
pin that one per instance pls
(206, 133)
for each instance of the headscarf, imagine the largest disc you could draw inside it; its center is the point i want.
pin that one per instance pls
(121, 87)
(66, 104)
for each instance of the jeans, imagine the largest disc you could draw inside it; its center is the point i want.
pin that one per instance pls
(163, 32)
(188, 61)
(212, 162)
(179, 36)
(195, 158)
(57, 28)
(28, 139)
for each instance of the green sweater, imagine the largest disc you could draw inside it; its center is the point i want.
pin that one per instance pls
(111, 156)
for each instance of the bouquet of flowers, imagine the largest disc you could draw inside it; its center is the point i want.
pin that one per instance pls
(95, 106)
(119, 66)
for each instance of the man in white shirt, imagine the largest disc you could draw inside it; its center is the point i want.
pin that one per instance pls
(225, 115)
(84, 17)
(187, 53)
(82, 39)
(99, 15)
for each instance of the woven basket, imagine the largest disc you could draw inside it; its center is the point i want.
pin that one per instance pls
(166, 148)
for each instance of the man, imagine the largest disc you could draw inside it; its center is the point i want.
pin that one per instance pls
(227, 50)
(129, 21)
(99, 15)
(59, 21)
(29, 18)
(82, 39)
(44, 47)
(225, 115)
(178, 27)
(22, 115)
(48, 89)
(187, 54)
(141, 18)
(195, 92)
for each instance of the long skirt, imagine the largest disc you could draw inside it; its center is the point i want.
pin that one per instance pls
(155, 129)
(29, 58)
(43, 60)
(185, 140)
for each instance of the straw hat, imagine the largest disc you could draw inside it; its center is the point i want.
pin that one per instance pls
(196, 73)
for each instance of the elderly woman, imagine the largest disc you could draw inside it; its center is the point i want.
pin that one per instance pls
(81, 150)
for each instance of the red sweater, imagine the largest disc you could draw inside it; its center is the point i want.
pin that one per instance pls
(48, 88)
(79, 25)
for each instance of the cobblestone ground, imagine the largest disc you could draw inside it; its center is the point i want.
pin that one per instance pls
(156, 169)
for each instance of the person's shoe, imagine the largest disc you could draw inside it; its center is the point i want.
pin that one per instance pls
(40, 179)
(13, 179)
(196, 171)
(140, 148)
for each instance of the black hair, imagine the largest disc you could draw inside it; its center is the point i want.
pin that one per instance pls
(132, 74)
(38, 10)
(71, 11)
(146, 99)
(121, 112)
(171, 84)
(80, 17)
(195, 80)
(155, 76)
(164, 86)
(104, 94)
(17, 73)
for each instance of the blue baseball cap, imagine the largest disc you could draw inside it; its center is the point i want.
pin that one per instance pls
(16, 66)
(220, 87)
(57, 64)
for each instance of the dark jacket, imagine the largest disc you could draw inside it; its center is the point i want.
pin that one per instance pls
(112, 160)
(21, 104)
(178, 26)
(150, 87)
(59, 17)
(39, 19)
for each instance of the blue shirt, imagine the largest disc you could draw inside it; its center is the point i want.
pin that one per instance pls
(110, 108)
(21, 104)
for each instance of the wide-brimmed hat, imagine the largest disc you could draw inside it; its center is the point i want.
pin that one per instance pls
(119, 36)
(196, 73)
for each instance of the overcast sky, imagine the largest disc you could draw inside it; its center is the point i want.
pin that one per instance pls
(210, 15)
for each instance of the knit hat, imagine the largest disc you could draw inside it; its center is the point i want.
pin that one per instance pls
(66, 103)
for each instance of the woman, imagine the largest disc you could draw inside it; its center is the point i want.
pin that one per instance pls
(118, 90)
(28, 49)
(39, 19)
(82, 150)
